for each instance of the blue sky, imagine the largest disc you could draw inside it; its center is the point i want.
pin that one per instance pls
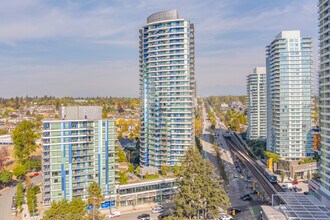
(90, 47)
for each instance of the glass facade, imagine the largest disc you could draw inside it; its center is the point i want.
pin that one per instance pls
(324, 89)
(256, 104)
(167, 89)
(289, 90)
(74, 154)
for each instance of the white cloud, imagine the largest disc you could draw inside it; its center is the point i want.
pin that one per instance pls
(229, 43)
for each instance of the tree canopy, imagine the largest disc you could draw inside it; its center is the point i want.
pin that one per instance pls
(94, 199)
(198, 191)
(64, 209)
(272, 155)
(24, 140)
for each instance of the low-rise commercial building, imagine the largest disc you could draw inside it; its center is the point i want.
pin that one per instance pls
(292, 168)
(159, 190)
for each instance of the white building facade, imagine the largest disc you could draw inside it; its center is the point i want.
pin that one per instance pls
(289, 95)
(324, 89)
(256, 104)
(167, 88)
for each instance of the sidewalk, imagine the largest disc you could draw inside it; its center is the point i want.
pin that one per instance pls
(130, 209)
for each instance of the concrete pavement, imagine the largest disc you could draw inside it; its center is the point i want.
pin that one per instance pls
(7, 197)
(6, 202)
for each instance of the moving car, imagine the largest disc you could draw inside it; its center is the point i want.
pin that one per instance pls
(235, 175)
(157, 209)
(230, 211)
(114, 214)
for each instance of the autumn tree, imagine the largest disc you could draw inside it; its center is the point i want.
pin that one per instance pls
(94, 199)
(165, 169)
(3, 157)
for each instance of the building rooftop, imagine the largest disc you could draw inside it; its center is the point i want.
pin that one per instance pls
(163, 16)
(299, 206)
(81, 112)
(272, 213)
(259, 70)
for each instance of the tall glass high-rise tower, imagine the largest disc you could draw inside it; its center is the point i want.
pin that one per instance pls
(256, 104)
(289, 86)
(324, 88)
(167, 88)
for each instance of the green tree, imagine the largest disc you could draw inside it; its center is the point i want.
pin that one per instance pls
(272, 155)
(176, 169)
(24, 140)
(137, 170)
(197, 190)
(121, 156)
(165, 169)
(74, 210)
(31, 198)
(94, 199)
(19, 171)
(282, 177)
(5, 176)
(308, 174)
(130, 168)
(123, 178)
(19, 194)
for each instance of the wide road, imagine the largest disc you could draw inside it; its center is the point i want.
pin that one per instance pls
(7, 197)
(237, 186)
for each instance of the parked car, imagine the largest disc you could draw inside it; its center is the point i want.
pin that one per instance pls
(143, 216)
(295, 182)
(114, 214)
(165, 214)
(36, 174)
(247, 198)
(225, 216)
(254, 192)
(157, 209)
(235, 175)
(230, 211)
(245, 195)
(296, 189)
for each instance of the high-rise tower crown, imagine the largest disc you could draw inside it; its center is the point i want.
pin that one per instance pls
(163, 16)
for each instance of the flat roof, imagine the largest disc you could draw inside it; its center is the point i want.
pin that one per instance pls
(272, 213)
(299, 206)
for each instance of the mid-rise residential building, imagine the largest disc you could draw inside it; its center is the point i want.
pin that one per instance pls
(77, 149)
(256, 104)
(289, 91)
(167, 88)
(324, 89)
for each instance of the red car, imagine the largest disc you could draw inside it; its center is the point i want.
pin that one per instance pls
(36, 174)
(295, 182)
